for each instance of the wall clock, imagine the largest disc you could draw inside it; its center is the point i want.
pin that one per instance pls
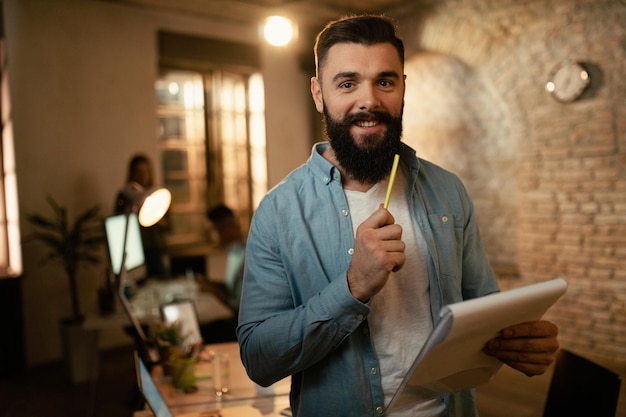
(567, 81)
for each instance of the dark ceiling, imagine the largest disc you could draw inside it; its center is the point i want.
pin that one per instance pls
(311, 13)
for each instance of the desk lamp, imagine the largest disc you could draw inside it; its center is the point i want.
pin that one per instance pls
(150, 205)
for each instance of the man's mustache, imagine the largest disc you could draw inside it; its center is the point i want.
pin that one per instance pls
(379, 116)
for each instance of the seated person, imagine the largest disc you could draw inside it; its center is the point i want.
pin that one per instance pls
(231, 237)
(229, 292)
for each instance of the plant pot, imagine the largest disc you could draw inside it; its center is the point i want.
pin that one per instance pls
(80, 351)
(166, 354)
(183, 373)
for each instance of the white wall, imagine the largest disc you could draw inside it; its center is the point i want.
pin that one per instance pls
(82, 76)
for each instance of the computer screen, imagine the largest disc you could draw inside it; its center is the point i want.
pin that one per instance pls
(183, 312)
(581, 387)
(114, 230)
(150, 392)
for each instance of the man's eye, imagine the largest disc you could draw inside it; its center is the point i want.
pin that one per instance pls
(345, 86)
(385, 83)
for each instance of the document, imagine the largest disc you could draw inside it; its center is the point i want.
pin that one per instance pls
(452, 358)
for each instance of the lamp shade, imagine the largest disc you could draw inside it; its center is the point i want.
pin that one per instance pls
(154, 206)
(149, 204)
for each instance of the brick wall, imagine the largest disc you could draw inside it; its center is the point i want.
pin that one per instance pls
(548, 179)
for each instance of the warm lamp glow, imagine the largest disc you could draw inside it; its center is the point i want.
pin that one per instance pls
(150, 205)
(278, 30)
(154, 207)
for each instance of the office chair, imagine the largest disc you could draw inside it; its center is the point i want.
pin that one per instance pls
(581, 388)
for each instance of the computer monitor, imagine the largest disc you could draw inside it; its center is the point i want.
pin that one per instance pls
(150, 392)
(115, 227)
(581, 388)
(184, 313)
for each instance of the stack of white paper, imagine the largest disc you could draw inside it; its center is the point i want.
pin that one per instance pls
(452, 358)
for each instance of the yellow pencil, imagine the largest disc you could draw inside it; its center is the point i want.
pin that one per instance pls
(392, 177)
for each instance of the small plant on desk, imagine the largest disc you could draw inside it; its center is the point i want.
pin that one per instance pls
(169, 340)
(177, 356)
(171, 343)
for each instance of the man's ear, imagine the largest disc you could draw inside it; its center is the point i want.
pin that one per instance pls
(316, 93)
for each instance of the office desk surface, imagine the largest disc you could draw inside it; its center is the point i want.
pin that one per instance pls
(253, 410)
(148, 298)
(242, 390)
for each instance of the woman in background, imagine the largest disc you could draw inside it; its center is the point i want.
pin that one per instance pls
(141, 176)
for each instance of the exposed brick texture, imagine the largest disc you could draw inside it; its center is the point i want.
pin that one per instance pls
(548, 179)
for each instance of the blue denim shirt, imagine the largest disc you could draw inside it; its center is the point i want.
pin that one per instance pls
(297, 314)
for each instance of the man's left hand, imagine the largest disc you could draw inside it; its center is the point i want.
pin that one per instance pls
(528, 347)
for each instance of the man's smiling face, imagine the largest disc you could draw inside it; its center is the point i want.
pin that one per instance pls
(361, 93)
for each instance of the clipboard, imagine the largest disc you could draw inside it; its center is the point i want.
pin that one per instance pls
(452, 359)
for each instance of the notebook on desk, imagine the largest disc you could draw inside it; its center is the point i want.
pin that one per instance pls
(159, 407)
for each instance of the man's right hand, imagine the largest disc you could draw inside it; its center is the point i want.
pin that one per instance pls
(378, 250)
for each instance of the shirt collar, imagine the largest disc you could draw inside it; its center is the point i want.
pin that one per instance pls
(321, 167)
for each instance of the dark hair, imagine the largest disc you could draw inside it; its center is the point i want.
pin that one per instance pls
(365, 30)
(135, 161)
(219, 213)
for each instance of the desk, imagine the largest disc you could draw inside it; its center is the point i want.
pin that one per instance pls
(146, 304)
(149, 297)
(269, 401)
(206, 259)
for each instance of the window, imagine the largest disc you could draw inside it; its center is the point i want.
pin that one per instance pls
(211, 128)
(240, 150)
(10, 247)
(182, 139)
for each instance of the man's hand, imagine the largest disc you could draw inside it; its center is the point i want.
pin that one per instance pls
(378, 251)
(528, 347)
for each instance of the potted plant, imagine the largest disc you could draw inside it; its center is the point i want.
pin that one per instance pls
(168, 338)
(72, 243)
(177, 355)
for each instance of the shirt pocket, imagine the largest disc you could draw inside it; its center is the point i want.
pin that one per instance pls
(447, 230)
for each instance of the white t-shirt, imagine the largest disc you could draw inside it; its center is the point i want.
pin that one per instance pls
(400, 320)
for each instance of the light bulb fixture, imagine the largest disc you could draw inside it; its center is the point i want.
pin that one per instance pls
(154, 207)
(278, 30)
(150, 205)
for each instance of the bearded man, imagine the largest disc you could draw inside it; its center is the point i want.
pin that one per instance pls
(339, 292)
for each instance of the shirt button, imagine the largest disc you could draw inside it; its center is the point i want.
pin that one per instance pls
(373, 371)
(379, 409)
(326, 179)
(444, 219)
(344, 212)
(359, 317)
(350, 251)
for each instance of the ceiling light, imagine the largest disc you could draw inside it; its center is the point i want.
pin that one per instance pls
(278, 30)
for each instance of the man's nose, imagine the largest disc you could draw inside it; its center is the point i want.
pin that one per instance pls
(368, 98)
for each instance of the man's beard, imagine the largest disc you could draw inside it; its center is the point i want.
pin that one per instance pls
(371, 161)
